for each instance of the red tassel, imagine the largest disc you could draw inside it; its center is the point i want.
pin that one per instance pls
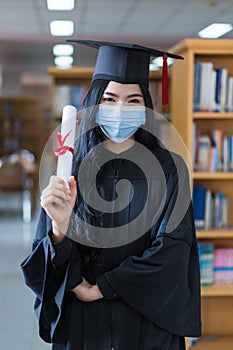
(165, 81)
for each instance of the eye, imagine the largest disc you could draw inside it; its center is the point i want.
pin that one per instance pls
(107, 100)
(136, 101)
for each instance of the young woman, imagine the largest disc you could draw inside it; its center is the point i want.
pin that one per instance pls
(142, 293)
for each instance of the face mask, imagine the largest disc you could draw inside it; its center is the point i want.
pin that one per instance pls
(119, 123)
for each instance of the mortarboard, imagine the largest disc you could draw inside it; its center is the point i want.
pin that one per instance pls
(127, 63)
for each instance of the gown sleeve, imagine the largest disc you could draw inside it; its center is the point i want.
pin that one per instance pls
(163, 284)
(51, 271)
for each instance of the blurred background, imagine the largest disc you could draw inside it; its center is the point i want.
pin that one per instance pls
(38, 75)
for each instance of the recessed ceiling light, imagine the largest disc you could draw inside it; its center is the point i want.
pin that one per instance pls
(215, 30)
(60, 5)
(63, 61)
(62, 28)
(63, 50)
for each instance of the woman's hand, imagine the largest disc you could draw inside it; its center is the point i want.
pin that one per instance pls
(58, 202)
(87, 292)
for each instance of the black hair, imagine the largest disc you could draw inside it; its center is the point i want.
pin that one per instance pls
(90, 136)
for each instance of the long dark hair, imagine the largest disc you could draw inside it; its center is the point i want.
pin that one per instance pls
(91, 135)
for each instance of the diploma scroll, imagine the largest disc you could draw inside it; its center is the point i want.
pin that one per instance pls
(65, 151)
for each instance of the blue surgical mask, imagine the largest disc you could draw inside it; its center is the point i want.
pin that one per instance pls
(119, 123)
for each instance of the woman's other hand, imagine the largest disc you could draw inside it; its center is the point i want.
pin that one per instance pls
(87, 292)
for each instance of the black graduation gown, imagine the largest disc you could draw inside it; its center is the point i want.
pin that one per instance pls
(151, 286)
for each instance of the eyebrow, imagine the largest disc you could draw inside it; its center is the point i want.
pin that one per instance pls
(129, 96)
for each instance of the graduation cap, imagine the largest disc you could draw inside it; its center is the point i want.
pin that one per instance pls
(127, 63)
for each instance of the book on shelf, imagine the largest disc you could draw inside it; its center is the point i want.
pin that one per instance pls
(61, 98)
(13, 134)
(213, 84)
(206, 80)
(199, 195)
(203, 152)
(213, 151)
(221, 87)
(216, 137)
(211, 209)
(208, 210)
(197, 81)
(213, 161)
(206, 262)
(213, 88)
(223, 266)
(229, 95)
(191, 341)
(230, 150)
(227, 153)
(8, 109)
(194, 149)
(216, 265)
(207, 339)
(68, 95)
(77, 94)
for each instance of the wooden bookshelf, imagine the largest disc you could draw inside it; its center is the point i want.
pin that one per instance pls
(81, 76)
(22, 128)
(212, 115)
(213, 176)
(215, 234)
(217, 291)
(215, 343)
(65, 79)
(217, 301)
(22, 125)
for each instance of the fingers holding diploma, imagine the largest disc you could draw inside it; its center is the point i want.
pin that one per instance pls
(58, 201)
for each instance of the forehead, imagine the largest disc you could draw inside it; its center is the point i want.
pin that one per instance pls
(122, 89)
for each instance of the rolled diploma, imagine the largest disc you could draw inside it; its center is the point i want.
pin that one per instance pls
(64, 164)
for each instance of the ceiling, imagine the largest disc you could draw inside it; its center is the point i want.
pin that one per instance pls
(26, 45)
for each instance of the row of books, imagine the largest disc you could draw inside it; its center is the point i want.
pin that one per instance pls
(8, 109)
(216, 265)
(213, 88)
(213, 151)
(69, 95)
(211, 209)
(12, 134)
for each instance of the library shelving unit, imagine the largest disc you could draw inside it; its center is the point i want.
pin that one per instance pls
(79, 78)
(22, 125)
(217, 301)
(61, 82)
(22, 128)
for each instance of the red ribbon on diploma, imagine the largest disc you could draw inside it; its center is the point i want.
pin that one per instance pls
(62, 149)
